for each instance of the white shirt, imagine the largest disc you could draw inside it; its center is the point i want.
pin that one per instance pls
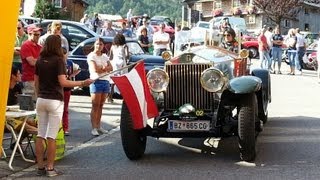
(268, 35)
(161, 36)
(301, 41)
(100, 61)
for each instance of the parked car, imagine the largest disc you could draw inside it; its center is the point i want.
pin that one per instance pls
(253, 48)
(79, 55)
(310, 57)
(310, 36)
(203, 24)
(75, 32)
(204, 92)
(163, 19)
(26, 20)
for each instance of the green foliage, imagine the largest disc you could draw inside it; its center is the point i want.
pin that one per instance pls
(170, 8)
(46, 10)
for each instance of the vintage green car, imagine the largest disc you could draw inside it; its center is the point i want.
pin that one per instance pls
(205, 91)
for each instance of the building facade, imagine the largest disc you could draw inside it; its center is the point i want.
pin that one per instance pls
(306, 20)
(69, 9)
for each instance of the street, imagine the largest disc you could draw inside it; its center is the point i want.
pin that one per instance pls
(288, 147)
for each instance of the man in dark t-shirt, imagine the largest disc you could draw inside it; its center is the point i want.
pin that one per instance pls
(14, 90)
(14, 87)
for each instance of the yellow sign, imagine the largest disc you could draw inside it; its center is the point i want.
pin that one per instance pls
(8, 17)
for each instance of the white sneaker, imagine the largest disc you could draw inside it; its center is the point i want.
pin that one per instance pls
(95, 132)
(102, 131)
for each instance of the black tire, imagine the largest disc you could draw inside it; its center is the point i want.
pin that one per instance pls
(246, 128)
(133, 142)
(253, 52)
(263, 95)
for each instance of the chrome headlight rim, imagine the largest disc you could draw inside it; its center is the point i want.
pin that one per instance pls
(166, 55)
(222, 78)
(166, 80)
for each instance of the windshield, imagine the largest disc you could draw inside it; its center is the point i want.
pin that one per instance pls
(135, 48)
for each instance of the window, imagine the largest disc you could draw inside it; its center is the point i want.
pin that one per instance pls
(287, 23)
(306, 11)
(236, 3)
(306, 27)
(57, 3)
(252, 19)
(217, 4)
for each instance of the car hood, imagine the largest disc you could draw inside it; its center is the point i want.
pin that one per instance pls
(150, 61)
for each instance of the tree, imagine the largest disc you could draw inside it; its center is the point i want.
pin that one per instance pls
(46, 10)
(277, 10)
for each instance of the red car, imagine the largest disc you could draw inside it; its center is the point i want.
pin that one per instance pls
(168, 29)
(253, 48)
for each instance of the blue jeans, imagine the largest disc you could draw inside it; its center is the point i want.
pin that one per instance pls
(299, 61)
(277, 56)
(292, 55)
(265, 60)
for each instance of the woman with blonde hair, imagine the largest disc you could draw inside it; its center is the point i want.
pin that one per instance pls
(291, 41)
(50, 78)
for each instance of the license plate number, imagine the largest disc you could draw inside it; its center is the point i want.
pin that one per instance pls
(176, 125)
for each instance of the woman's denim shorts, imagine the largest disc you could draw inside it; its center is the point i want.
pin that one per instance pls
(100, 86)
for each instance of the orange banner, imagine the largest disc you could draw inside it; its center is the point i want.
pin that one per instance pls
(8, 16)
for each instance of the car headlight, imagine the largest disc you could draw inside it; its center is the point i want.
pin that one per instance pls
(158, 80)
(212, 80)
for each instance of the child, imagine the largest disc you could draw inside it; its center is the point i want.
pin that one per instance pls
(72, 70)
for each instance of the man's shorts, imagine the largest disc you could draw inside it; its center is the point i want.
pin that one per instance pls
(100, 86)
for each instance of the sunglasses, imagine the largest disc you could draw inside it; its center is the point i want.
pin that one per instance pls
(228, 35)
(35, 34)
(18, 28)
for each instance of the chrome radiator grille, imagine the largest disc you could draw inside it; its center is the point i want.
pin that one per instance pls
(184, 87)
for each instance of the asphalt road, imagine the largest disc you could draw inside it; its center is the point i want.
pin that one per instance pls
(288, 147)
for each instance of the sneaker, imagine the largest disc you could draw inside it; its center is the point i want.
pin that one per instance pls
(67, 133)
(279, 72)
(95, 132)
(51, 173)
(41, 172)
(102, 131)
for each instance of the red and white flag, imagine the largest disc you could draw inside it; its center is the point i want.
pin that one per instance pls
(136, 93)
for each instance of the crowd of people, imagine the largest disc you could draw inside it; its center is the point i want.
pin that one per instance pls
(41, 70)
(152, 42)
(271, 44)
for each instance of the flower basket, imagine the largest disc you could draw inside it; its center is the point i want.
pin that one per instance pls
(251, 10)
(217, 12)
(236, 11)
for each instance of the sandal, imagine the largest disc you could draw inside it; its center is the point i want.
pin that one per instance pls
(51, 173)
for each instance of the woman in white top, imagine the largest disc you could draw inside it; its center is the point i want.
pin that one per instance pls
(119, 54)
(99, 65)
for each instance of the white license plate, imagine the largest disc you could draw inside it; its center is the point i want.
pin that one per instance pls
(176, 125)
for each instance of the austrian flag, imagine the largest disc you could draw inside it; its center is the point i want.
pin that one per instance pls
(136, 93)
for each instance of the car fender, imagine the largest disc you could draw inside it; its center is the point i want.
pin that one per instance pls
(264, 75)
(245, 84)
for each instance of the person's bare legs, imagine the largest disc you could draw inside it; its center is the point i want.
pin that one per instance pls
(40, 151)
(51, 148)
(95, 110)
(99, 111)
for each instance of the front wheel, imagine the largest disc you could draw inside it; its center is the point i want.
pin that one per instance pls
(133, 142)
(246, 127)
(253, 52)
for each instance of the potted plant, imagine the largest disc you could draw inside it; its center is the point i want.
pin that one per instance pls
(236, 11)
(217, 12)
(251, 9)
